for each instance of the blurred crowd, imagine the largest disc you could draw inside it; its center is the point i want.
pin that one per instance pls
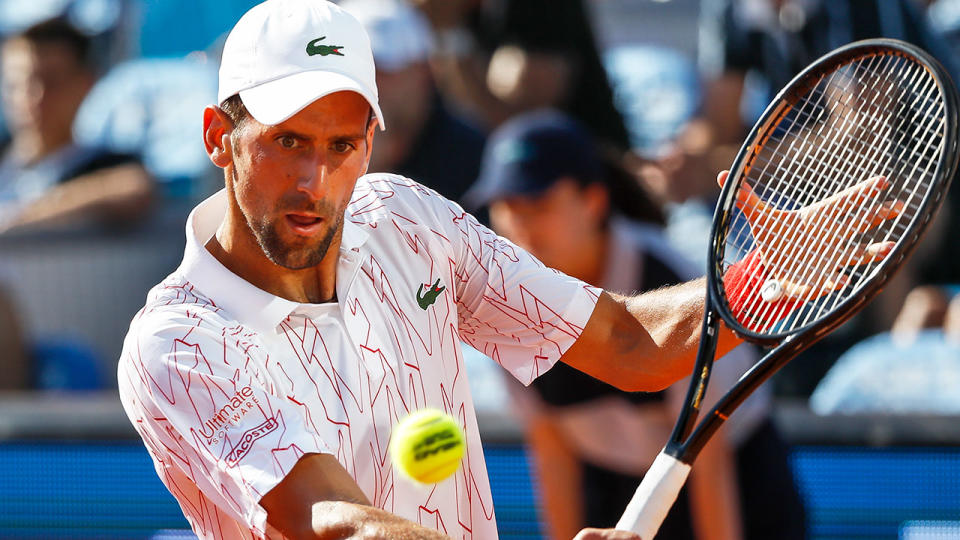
(585, 131)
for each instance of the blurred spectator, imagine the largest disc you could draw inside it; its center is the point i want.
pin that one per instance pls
(550, 192)
(896, 372)
(423, 140)
(924, 308)
(656, 89)
(497, 58)
(776, 39)
(944, 18)
(14, 363)
(149, 107)
(45, 177)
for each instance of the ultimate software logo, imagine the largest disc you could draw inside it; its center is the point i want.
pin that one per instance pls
(240, 403)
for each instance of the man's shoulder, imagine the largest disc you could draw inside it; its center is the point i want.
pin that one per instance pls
(175, 307)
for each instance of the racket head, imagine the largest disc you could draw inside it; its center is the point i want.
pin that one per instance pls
(879, 107)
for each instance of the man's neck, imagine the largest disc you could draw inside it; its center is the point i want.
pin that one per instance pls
(243, 256)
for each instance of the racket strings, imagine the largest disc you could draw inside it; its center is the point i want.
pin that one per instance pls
(856, 156)
(815, 164)
(904, 163)
(860, 156)
(799, 160)
(796, 159)
(880, 115)
(772, 156)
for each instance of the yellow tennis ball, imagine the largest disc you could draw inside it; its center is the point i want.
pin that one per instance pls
(427, 445)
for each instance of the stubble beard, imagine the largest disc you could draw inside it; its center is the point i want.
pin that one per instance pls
(292, 257)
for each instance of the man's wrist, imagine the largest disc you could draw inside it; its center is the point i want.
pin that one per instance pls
(742, 284)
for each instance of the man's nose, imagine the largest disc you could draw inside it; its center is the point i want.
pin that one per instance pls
(313, 180)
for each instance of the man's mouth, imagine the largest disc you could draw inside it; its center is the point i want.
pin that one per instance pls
(305, 224)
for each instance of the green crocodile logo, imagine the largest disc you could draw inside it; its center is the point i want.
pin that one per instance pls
(314, 48)
(427, 298)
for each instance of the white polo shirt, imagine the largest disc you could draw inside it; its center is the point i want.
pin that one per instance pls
(229, 385)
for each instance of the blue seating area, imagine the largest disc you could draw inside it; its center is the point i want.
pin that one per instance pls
(109, 490)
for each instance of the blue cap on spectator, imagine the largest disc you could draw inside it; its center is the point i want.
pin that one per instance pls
(529, 153)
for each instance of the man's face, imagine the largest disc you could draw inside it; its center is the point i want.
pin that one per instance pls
(292, 182)
(43, 86)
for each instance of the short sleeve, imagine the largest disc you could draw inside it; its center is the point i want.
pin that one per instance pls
(511, 307)
(200, 398)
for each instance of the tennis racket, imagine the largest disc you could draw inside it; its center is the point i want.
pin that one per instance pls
(828, 196)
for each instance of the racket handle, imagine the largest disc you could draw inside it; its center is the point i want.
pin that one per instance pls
(654, 496)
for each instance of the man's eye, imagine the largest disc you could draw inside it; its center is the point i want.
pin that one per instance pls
(287, 141)
(342, 147)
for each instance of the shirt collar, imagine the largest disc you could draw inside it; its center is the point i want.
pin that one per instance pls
(243, 301)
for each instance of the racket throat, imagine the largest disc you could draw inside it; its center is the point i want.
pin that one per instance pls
(698, 382)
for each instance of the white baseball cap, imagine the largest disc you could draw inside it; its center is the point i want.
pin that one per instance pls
(283, 55)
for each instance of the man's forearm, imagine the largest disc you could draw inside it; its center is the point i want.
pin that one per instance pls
(645, 342)
(318, 499)
(673, 316)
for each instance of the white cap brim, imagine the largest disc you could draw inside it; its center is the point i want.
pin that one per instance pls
(275, 101)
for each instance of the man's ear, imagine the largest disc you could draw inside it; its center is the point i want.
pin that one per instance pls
(217, 127)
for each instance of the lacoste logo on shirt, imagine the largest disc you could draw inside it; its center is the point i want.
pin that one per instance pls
(314, 48)
(427, 298)
(247, 439)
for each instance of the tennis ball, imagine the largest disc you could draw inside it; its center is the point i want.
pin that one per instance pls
(427, 445)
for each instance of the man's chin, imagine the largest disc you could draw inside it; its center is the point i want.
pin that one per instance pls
(296, 259)
(294, 252)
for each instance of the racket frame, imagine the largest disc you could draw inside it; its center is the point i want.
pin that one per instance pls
(767, 124)
(688, 437)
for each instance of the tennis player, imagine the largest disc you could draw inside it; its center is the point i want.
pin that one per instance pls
(316, 306)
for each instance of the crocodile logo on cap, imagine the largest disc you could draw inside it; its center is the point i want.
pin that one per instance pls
(314, 48)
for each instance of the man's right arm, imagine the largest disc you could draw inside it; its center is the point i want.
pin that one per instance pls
(318, 499)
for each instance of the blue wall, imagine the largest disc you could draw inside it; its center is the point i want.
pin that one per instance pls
(106, 490)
